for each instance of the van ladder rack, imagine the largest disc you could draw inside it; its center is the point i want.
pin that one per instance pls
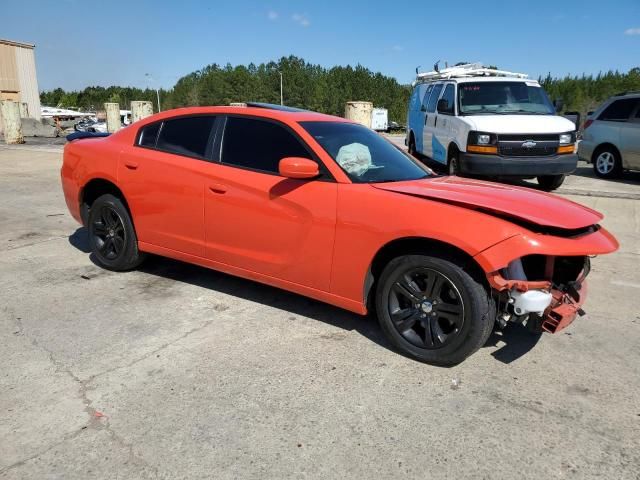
(465, 71)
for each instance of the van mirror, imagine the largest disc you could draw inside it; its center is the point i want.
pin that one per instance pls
(558, 104)
(444, 107)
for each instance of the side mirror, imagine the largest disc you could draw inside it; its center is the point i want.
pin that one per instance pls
(444, 107)
(558, 104)
(298, 167)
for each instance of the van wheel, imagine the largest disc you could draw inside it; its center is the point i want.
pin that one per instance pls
(606, 163)
(412, 146)
(454, 165)
(431, 309)
(111, 235)
(550, 182)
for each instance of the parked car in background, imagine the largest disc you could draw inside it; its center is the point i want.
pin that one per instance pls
(490, 123)
(611, 137)
(329, 209)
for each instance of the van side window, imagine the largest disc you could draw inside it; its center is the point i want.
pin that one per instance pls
(414, 103)
(449, 96)
(425, 99)
(433, 99)
(619, 111)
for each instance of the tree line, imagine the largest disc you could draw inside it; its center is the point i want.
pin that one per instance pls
(318, 88)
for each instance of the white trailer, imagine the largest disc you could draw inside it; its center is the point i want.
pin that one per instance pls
(380, 119)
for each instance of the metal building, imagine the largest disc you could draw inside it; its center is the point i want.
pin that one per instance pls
(18, 80)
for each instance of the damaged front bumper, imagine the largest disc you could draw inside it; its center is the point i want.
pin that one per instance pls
(544, 305)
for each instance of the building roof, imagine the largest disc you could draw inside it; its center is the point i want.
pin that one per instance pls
(13, 43)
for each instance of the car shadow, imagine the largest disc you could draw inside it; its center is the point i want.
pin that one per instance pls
(517, 339)
(585, 170)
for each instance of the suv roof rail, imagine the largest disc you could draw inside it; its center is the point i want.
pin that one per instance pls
(273, 106)
(630, 92)
(466, 70)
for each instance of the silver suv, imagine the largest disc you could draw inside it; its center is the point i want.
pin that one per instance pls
(611, 139)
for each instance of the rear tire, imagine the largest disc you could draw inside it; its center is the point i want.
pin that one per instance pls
(550, 182)
(112, 237)
(412, 146)
(433, 310)
(607, 163)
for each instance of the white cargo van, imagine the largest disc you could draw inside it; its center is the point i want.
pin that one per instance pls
(492, 123)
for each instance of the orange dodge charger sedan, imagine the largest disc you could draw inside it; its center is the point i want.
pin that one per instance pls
(329, 209)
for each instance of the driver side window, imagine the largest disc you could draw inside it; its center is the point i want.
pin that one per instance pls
(258, 144)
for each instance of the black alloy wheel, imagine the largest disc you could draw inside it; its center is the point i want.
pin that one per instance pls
(426, 308)
(435, 309)
(110, 236)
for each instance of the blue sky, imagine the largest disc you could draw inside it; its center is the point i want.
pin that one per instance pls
(169, 39)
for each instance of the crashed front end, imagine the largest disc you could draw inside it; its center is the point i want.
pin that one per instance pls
(549, 301)
(541, 282)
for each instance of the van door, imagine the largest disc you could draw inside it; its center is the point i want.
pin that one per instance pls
(415, 116)
(443, 131)
(430, 119)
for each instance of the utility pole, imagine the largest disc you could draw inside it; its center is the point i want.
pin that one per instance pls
(150, 78)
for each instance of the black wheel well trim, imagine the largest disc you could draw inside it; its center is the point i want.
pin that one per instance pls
(421, 246)
(601, 147)
(95, 188)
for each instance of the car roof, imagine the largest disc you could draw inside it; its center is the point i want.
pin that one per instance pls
(285, 115)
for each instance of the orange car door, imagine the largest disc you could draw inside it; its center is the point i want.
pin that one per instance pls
(163, 182)
(261, 222)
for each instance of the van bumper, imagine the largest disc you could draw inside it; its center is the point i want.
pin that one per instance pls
(495, 165)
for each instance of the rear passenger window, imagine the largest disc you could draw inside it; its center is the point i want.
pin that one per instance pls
(425, 99)
(149, 135)
(433, 99)
(258, 145)
(186, 135)
(619, 111)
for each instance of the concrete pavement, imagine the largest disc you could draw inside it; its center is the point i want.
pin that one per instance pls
(174, 371)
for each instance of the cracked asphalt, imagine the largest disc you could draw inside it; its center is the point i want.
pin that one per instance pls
(174, 371)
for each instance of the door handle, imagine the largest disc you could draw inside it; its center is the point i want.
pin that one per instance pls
(426, 117)
(218, 188)
(435, 122)
(130, 165)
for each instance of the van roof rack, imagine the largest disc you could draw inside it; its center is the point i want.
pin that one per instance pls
(466, 70)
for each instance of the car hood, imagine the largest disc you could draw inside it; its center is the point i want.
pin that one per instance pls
(519, 203)
(520, 123)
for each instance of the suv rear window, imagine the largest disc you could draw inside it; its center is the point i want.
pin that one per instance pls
(258, 144)
(186, 135)
(619, 111)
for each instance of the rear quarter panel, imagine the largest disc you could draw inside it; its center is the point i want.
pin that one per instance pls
(83, 161)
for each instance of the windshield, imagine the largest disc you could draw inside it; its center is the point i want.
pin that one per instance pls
(364, 155)
(503, 98)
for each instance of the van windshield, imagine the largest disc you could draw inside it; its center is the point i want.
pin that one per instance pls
(364, 155)
(503, 98)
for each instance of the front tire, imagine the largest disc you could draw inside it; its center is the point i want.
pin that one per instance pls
(433, 310)
(112, 237)
(550, 182)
